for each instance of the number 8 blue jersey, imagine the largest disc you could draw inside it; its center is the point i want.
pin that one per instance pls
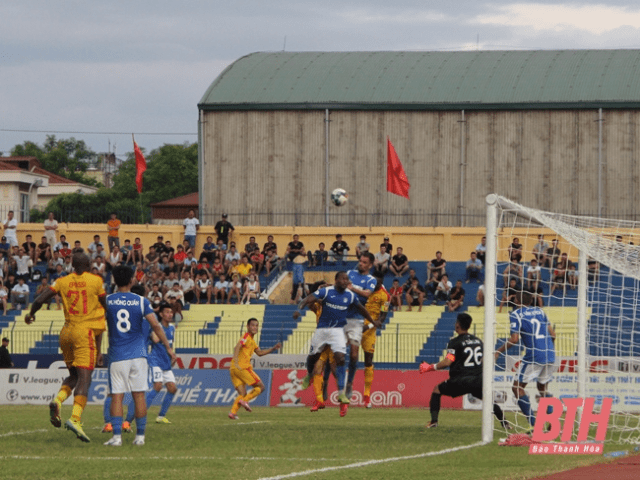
(532, 324)
(128, 329)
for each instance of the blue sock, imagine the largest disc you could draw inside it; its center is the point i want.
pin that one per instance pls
(340, 373)
(116, 422)
(353, 366)
(106, 410)
(525, 406)
(151, 394)
(166, 403)
(141, 425)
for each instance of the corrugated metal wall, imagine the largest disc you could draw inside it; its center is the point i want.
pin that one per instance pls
(268, 167)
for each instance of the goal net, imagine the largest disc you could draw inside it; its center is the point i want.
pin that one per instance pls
(584, 273)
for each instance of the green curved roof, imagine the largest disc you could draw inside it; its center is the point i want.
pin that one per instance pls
(428, 80)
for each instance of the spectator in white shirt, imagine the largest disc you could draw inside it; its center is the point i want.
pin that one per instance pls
(10, 229)
(381, 260)
(481, 249)
(474, 268)
(187, 285)
(191, 226)
(93, 246)
(220, 289)
(20, 294)
(443, 289)
(23, 263)
(50, 229)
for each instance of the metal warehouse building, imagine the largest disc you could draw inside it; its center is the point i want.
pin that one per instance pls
(559, 130)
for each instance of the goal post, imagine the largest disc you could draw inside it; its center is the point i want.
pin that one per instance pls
(589, 288)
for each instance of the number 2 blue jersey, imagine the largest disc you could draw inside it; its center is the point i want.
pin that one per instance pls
(335, 306)
(363, 281)
(126, 323)
(159, 356)
(532, 324)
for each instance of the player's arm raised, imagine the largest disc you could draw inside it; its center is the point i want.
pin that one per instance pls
(363, 292)
(159, 333)
(260, 353)
(45, 296)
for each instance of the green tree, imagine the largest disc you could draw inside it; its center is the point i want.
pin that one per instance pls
(65, 157)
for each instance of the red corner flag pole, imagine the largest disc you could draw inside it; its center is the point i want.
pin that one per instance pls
(397, 181)
(141, 164)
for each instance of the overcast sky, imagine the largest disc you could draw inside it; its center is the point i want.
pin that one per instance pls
(142, 66)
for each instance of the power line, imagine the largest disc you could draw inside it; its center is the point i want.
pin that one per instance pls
(92, 133)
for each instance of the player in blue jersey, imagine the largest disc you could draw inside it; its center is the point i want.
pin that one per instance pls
(126, 313)
(362, 284)
(532, 326)
(336, 301)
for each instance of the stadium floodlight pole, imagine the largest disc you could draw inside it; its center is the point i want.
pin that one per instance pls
(582, 324)
(489, 319)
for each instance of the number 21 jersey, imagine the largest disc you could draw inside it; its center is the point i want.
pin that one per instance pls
(80, 295)
(126, 324)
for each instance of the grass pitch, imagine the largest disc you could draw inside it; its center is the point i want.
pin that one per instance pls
(268, 443)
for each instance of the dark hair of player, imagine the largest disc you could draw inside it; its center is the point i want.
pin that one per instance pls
(164, 305)
(464, 320)
(341, 272)
(122, 275)
(138, 290)
(251, 320)
(524, 299)
(368, 255)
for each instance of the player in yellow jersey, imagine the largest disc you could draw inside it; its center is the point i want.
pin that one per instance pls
(83, 299)
(241, 371)
(378, 306)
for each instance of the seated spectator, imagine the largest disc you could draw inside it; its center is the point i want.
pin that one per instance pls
(209, 250)
(43, 251)
(540, 250)
(77, 247)
(203, 286)
(244, 267)
(190, 263)
(387, 246)
(220, 290)
(65, 251)
(179, 257)
(399, 263)
(98, 253)
(100, 266)
(512, 270)
(381, 260)
(362, 246)
(515, 250)
(175, 298)
(553, 254)
(251, 246)
(3, 297)
(115, 258)
(168, 282)
(474, 268)
(271, 261)
(269, 245)
(438, 265)
(414, 295)
(257, 260)
(593, 270)
(295, 248)
(187, 285)
(152, 258)
(395, 295)
(456, 297)
(23, 264)
(67, 266)
(233, 269)
(509, 295)
(217, 269)
(480, 296)
(137, 253)
(140, 275)
(534, 274)
(231, 255)
(5, 247)
(443, 289)
(337, 252)
(572, 276)
(155, 296)
(251, 289)
(559, 279)
(481, 249)
(535, 289)
(185, 244)
(30, 248)
(20, 294)
(93, 246)
(54, 261)
(319, 257)
(234, 288)
(408, 282)
(126, 251)
(221, 251)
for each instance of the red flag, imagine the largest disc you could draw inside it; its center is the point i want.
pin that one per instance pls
(141, 165)
(397, 181)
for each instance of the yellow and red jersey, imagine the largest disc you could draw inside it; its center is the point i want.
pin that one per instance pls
(80, 298)
(377, 302)
(249, 346)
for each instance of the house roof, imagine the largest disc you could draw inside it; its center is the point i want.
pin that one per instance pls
(13, 163)
(190, 200)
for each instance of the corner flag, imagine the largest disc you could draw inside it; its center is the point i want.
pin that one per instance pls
(141, 165)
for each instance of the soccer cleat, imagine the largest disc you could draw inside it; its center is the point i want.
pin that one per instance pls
(162, 420)
(126, 427)
(367, 401)
(349, 390)
(233, 416)
(343, 409)
(108, 428)
(114, 442)
(245, 405)
(317, 406)
(506, 425)
(54, 414)
(432, 425)
(342, 398)
(76, 427)
(139, 440)
(306, 381)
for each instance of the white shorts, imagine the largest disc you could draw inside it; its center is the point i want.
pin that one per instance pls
(542, 373)
(334, 337)
(128, 376)
(162, 376)
(353, 330)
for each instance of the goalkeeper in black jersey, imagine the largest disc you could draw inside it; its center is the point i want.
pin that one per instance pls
(464, 359)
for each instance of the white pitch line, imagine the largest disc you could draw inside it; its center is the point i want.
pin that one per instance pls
(27, 457)
(10, 434)
(244, 423)
(372, 462)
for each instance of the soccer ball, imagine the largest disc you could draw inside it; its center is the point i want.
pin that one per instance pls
(339, 197)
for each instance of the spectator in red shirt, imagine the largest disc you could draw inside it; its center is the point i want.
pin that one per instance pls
(395, 293)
